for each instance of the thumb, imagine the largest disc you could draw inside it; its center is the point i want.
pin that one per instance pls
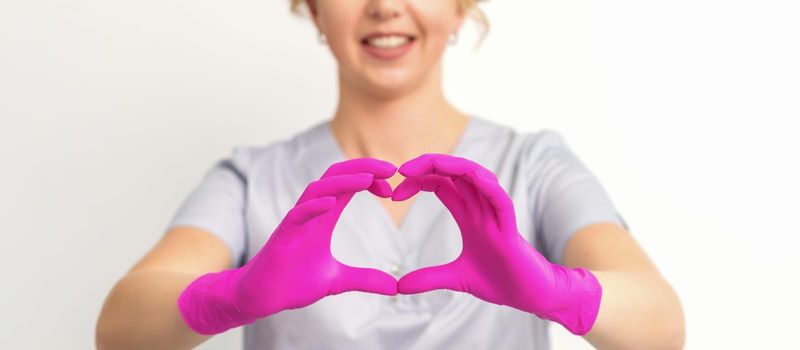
(363, 279)
(446, 276)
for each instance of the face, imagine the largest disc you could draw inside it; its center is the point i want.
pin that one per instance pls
(356, 32)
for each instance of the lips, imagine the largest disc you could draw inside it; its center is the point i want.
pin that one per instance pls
(388, 53)
(365, 39)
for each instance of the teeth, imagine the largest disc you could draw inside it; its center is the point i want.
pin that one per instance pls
(388, 42)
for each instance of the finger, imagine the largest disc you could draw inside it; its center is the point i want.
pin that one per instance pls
(299, 215)
(472, 199)
(310, 209)
(447, 166)
(500, 201)
(406, 189)
(429, 164)
(443, 164)
(459, 166)
(380, 188)
(446, 276)
(336, 186)
(419, 166)
(362, 279)
(484, 180)
(441, 186)
(487, 210)
(481, 178)
(493, 192)
(379, 168)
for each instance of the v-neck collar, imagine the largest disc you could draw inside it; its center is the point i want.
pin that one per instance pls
(325, 150)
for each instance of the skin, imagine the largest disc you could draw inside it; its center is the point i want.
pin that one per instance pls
(392, 111)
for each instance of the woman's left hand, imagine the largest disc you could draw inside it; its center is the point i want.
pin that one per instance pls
(496, 263)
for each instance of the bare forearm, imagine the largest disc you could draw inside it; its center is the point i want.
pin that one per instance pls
(141, 312)
(639, 310)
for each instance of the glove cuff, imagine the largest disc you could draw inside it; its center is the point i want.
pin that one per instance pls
(578, 309)
(207, 306)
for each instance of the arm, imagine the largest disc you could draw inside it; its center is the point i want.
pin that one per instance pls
(140, 311)
(638, 308)
(177, 296)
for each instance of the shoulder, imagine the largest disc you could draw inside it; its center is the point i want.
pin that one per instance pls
(243, 159)
(529, 142)
(528, 154)
(548, 153)
(282, 153)
(544, 142)
(535, 149)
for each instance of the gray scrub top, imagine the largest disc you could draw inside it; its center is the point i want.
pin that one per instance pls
(244, 196)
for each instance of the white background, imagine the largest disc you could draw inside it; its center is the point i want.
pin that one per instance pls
(685, 109)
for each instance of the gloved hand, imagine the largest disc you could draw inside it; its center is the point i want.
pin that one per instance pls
(496, 263)
(295, 267)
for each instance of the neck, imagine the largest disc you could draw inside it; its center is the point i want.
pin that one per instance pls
(398, 127)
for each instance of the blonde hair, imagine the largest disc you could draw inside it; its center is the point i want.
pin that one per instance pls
(469, 5)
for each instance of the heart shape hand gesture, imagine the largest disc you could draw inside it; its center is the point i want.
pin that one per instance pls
(295, 267)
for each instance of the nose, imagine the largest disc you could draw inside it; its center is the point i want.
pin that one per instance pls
(383, 9)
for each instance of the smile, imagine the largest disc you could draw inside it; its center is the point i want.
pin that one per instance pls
(388, 47)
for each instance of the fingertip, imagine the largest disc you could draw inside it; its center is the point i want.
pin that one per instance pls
(361, 181)
(367, 280)
(414, 282)
(389, 170)
(382, 169)
(407, 286)
(407, 169)
(416, 166)
(445, 276)
(406, 189)
(380, 188)
(387, 286)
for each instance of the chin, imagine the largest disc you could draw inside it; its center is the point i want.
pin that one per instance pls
(390, 84)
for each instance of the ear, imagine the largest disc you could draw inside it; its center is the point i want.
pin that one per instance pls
(312, 7)
(461, 14)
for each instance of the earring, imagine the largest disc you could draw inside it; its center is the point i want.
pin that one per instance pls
(321, 38)
(453, 38)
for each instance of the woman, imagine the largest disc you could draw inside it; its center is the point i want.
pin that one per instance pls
(519, 232)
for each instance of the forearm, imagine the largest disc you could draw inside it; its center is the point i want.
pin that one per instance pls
(141, 312)
(638, 310)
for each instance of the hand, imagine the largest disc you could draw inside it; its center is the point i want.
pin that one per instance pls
(496, 263)
(295, 267)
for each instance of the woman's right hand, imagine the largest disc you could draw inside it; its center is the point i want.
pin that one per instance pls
(295, 267)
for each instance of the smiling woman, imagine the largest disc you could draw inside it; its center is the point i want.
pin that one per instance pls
(530, 234)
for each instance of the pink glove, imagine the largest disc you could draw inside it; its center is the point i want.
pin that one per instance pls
(496, 263)
(295, 267)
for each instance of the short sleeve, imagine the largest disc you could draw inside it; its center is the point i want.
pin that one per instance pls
(567, 195)
(217, 204)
